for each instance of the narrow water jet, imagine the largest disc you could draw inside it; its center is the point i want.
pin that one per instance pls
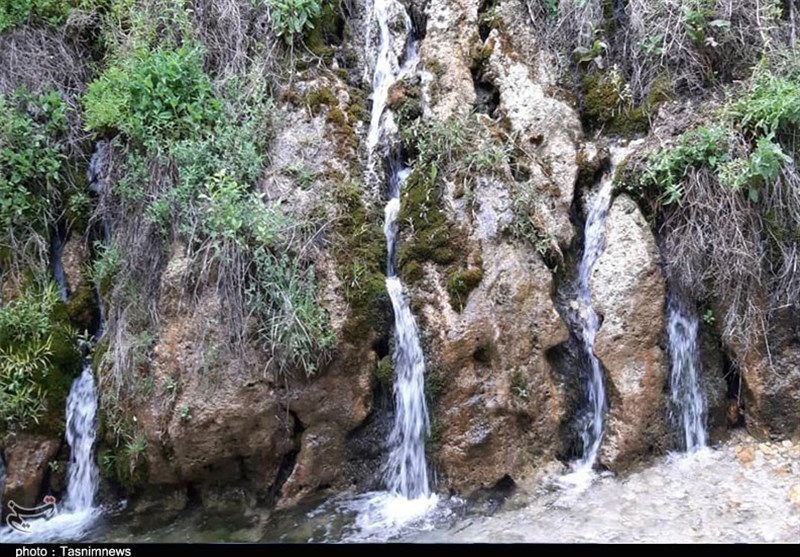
(588, 321)
(686, 394)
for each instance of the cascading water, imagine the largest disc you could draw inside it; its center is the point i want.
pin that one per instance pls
(594, 243)
(407, 471)
(408, 497)
(686, 394)
(82, 473)
(598, 206)
(76, 512)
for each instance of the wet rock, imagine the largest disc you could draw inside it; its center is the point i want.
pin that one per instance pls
(499, 408)
(771, 377)
(27, 459)
(746, 455)
(628, 293)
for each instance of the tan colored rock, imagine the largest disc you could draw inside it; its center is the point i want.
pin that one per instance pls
(500, 408)
(450, 38)
(746, 455)
(74, 258)
(794, 495)
(548, 128)
(628, 293)
(27, 458)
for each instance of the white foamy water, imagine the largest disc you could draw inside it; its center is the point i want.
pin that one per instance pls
(705, 496)
(598, 206)
(686, 394)
(76, 512)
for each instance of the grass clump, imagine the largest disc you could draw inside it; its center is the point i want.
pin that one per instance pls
(38, 360)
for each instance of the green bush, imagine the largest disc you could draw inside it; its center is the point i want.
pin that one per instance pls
(153, 95)
(17, 12)
(291, 18)
(32, 160)
(743, 148)
(38, 357)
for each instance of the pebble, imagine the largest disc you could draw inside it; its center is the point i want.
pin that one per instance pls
(786, 444)
(746, 455)
(794, 495)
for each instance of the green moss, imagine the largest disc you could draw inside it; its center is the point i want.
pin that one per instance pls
(433, 237)
(360, 252)
(384, 373)
(337, 117)
(460, 283)
(606, 107)
(65, 366)
(81, 308)
(315, 99)
(327, 31)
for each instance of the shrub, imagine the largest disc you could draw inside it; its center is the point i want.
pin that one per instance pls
(291, 18)
(32, 162)
(37, 351)
(153, 94)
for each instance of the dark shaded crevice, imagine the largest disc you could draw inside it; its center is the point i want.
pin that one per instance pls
(735, 390)
(485, 24)
(287, 462)
(365, 446)
(488, 501)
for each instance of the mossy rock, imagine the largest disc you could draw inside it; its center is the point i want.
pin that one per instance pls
(82, 309)
(315, 99)
(459, 285)
(360, 255)
(327, 32)
(434, 238)
(65, 365)
(604, 108)
(384, 373)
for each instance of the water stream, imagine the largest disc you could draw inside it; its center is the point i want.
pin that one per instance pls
(686, 394)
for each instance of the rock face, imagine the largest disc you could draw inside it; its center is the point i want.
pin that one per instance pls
(500, 408)
(771, 376)
(628, 293)
(548, 128)
(27, 459)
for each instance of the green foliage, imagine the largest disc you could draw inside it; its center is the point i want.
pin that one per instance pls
(291, 18)
(696, 14)
(708, 317)
(18, 12)
(757, 120)
(105, 266)
(38, 358)
(700, 147)
(295, 328)
(153, 94)
(32, 160)
(772, 105)
(460, 283)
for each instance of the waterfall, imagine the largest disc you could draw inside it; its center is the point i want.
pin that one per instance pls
(594, 243)
(82, 473)
(407, 470)
(688, 402)
(598, 206)
(56, 250)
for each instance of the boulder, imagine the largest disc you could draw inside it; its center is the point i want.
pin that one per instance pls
(628, 291)
(27, 459)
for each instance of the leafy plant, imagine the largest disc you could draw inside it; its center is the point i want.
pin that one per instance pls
(153, 93)
(32, 160)
(291, 18)
(31, 356)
